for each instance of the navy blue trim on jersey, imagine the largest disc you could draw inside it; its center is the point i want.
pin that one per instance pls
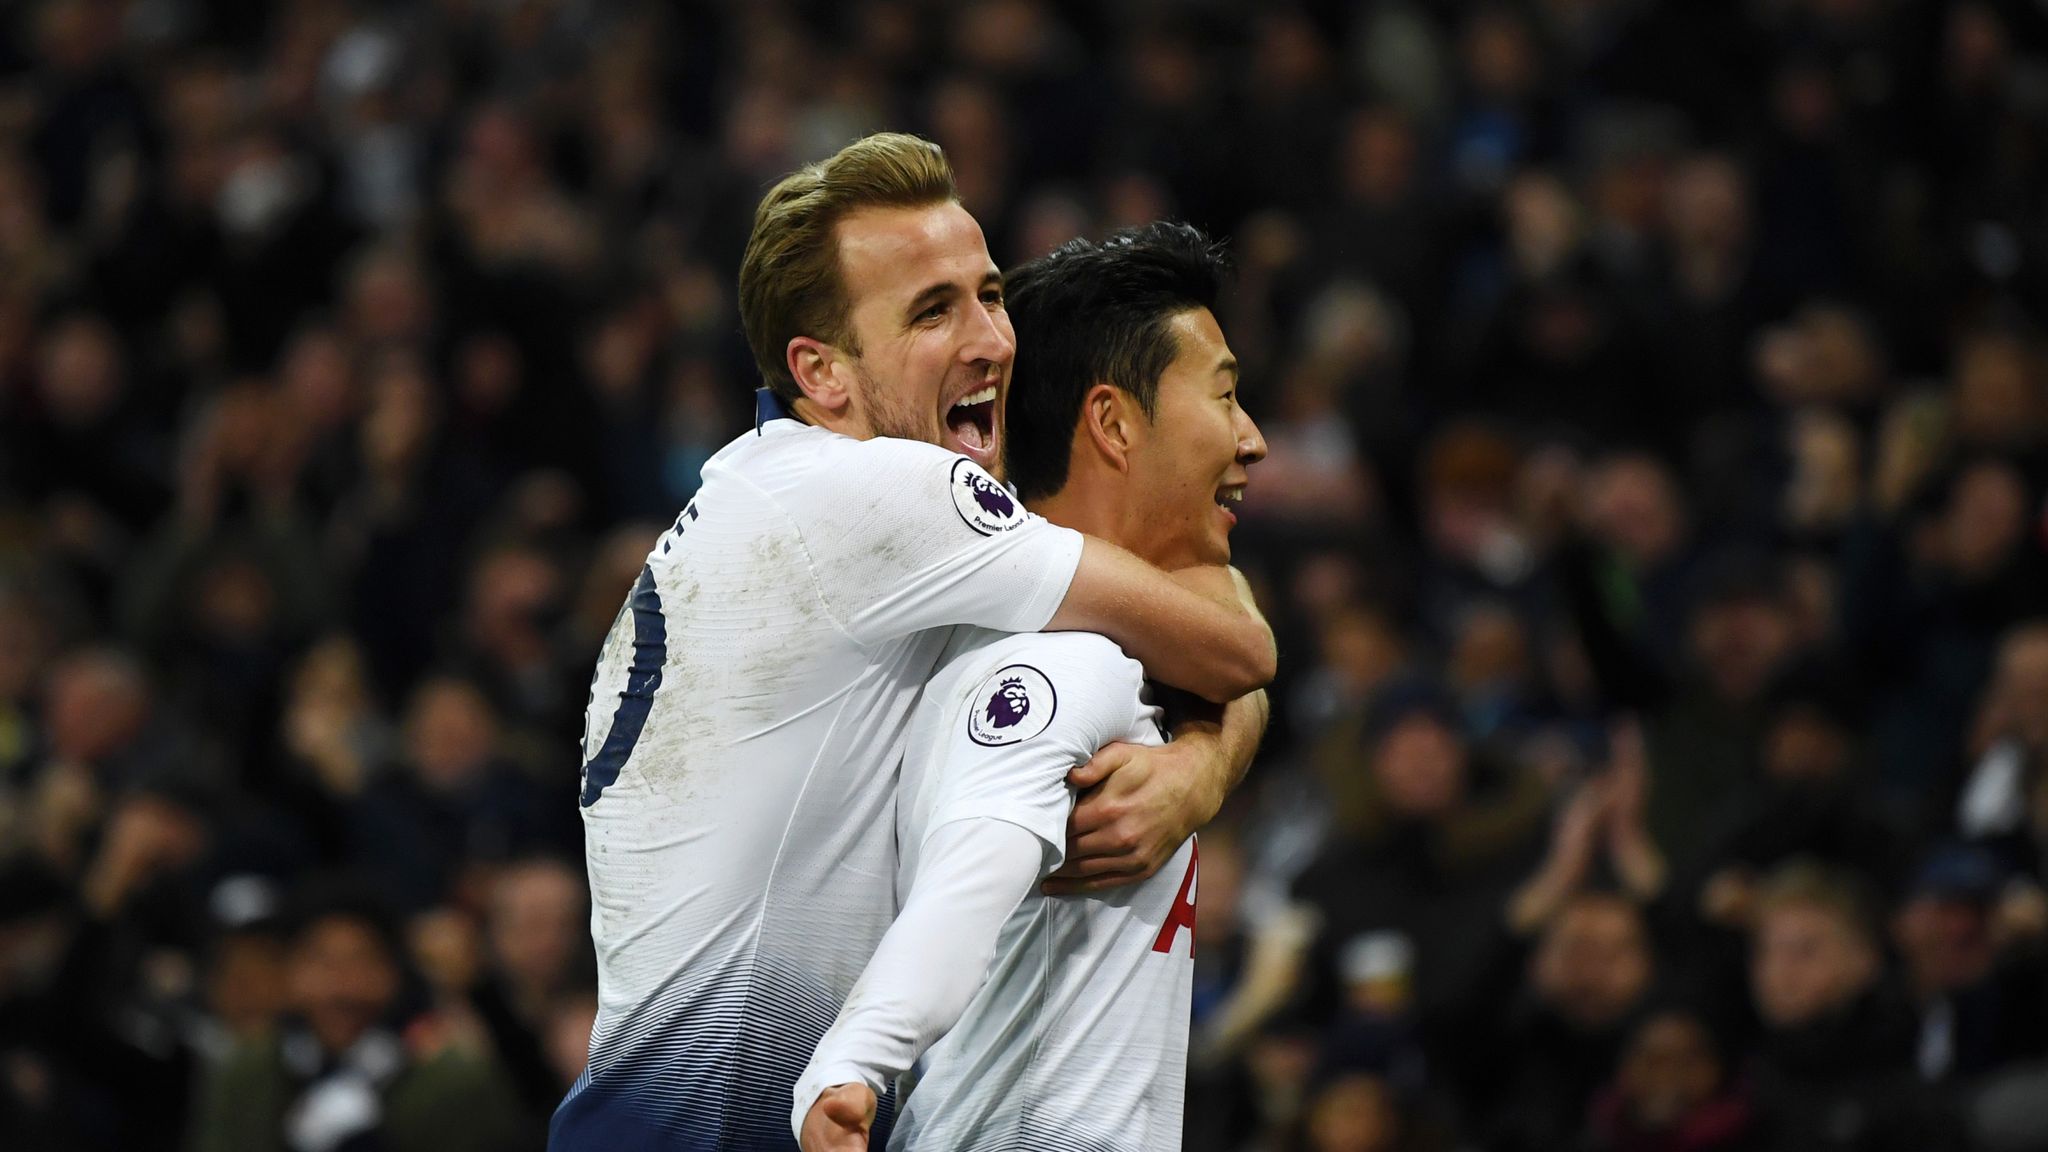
(768, 406)
(636, 699)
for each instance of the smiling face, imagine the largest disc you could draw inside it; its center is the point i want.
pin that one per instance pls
(1189, 466)
(932, 343)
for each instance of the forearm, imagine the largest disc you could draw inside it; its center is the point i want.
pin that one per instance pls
(1230, 734)
(1244, 726)
(1214, 647)
(931, 961)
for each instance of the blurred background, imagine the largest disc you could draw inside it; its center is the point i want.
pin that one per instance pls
(1654, 526)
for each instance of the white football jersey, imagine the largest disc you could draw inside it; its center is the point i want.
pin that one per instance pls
(1078, 1040)
(746, 725)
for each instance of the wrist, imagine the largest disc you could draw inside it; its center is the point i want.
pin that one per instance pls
(1211, 774)
(817, 1081)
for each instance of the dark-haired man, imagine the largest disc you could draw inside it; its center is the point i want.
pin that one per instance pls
(1123, 423)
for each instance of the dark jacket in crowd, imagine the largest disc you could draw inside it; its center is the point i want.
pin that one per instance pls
(1846, 1083)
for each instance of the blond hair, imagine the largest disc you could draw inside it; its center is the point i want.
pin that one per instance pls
(1808, 883)
(790, 283)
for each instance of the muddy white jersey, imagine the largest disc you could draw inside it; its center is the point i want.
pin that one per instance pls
(746, 725)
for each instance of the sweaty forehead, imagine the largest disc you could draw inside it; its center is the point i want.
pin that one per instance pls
(896, 253)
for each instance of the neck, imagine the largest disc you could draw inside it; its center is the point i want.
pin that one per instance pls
(1097, 500)
(842, 422)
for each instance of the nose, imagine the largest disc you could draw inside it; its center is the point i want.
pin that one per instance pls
(1251, 443)
(989, 337)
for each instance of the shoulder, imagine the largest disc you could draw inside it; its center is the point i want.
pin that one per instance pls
(819, 449)
(1073, 683)
(831, 482)
(1083, 653)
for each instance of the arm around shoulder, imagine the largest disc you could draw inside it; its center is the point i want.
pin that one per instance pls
(917, 538)
(1217, 649)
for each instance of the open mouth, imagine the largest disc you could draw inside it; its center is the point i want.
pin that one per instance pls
(972, 421)
(1228, 499)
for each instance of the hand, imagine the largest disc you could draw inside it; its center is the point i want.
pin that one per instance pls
(1137, 806)
(145, 836)
(1575, 840)
(1572, 845)
(319, 731)
(840, 1120)
(63, 808)
(1630, 848)
(1628, 774)
(1728, 898)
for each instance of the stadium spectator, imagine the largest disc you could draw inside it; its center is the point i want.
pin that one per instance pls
(346, 1066)
(1809, 804)
(1671, 1093)
(419, 831)
(1980, 992)
(1834, 1065)
(1592, 969)
(1428, 837)
(1356, 1111)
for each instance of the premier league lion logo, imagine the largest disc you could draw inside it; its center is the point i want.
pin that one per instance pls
(990, 496)
(983, 503)
(1010, 704)
(1016, 703)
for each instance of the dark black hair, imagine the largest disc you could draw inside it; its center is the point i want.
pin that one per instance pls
(1088, 314)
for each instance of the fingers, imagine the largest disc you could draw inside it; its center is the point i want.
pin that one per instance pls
(1116, 868)
(1092, 866)
(850, 1106)
(1056, 886)
(840, 1120)
(1109, 841)
(1099, 767)
(1092, 814)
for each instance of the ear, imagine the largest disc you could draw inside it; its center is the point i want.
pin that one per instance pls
(820, 373)
(1109, 418)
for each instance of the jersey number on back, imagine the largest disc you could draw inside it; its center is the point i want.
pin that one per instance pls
(636, 699)
(643, 675)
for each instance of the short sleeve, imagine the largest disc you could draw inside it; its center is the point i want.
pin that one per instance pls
(1040, 708)
(931, 540)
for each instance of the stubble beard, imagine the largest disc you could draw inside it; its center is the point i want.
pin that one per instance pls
(886, 416)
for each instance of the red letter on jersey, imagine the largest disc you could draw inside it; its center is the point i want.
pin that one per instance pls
(1183, 914)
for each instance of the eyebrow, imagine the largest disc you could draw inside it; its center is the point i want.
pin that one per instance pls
(937, 292)
(1227, 364)
(926, 299)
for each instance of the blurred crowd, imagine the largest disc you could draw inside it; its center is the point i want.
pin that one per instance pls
(1654, 527)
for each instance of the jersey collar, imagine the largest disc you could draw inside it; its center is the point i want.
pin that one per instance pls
(767, 406)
